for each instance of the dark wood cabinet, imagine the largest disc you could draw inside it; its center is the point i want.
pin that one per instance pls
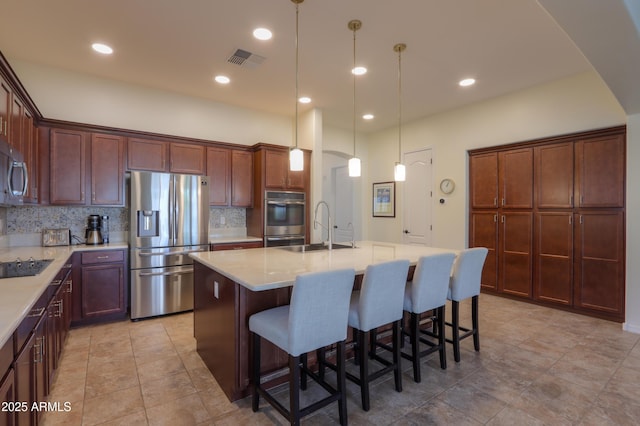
(483, 180)
(235, 246)
(219, 172)
(144, 154)
(600, 171)
(7, 395)
(100, 285)
(187, 158)
(31, 156)
(554, 175)
(560, 236)
(5, 109)
(25, 380)
(277, 173)
(16, 138)
(68, 167)
(553, 276)
(76, 155)
(241, 178)
(483, 232)
(107, 170)
(600, 262)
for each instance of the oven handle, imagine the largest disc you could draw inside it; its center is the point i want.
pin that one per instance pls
(170, 253)
(159, 274)
(284, 203)
(295, 237)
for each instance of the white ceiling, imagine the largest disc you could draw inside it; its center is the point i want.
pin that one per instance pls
(180, 45)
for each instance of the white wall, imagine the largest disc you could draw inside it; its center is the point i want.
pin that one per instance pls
(64, 95)
(569, 105)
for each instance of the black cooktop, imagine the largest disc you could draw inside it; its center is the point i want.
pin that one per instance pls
(23, 268)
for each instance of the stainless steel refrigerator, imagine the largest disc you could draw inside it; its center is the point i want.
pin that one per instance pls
(169, 218)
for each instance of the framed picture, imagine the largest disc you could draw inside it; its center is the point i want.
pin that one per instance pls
(384, 199)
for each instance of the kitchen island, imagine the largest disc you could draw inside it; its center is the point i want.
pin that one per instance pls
(230, 286)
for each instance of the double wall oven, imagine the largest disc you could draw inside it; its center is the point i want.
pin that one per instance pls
(284, 218)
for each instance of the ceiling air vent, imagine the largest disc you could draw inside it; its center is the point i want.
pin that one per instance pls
(245, 59)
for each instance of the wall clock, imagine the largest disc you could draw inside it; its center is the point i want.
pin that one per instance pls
(447, 186)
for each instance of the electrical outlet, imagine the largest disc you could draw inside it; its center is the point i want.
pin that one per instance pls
(222, 220)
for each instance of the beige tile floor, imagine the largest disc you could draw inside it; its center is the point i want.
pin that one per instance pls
(536, 366)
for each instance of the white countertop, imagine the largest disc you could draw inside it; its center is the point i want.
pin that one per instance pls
(20, 294)
(268, 268)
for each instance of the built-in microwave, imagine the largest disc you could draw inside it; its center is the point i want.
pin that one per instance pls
(13, 176)
(284, 214)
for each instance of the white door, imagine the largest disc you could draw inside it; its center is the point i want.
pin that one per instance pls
(416, 218)
(343, 205)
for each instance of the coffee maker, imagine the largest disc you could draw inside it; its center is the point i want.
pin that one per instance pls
(93, 234)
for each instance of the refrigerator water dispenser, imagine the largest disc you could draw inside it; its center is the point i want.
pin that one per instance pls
(148, 223)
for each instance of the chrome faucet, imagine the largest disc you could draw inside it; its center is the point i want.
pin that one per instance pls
(328, 227)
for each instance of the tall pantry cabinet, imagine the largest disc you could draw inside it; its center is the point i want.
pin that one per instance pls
(551, 213)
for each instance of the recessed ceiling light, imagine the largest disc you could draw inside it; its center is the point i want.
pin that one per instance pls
(368, 116)
(467, 82)
(102, 48)
(222, 79)
(359, 71)
(262, 34)
(304, 100)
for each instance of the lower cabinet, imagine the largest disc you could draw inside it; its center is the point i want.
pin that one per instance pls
(235, 246)
(101, 286)
(7, 396)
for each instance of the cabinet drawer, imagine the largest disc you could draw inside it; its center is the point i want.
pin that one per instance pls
(103, 256)
(30, 321)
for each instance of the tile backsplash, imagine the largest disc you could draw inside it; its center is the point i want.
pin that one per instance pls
(33, 219)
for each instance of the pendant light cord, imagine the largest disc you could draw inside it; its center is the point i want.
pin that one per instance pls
(353, 71)
(400, 47)
(296, 99)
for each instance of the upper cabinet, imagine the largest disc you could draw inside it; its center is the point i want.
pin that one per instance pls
(5, 109)
(76, 156)
(554, 175)
(187, 158)
(515, 178)
(600, 171)
(230, 174)
(145, 154)
(483, 180)
(15, 125)
(277, 173)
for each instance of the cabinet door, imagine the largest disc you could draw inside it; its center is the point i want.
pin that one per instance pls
(102, 290)
(516, 178)
(484, 233)
(143, 154)
(554, 175)
(15, 125)
(41, 389)
(5, 110)
(276, 167)
(67, 167)
(516, 253)
(187, 158)
(7, 395)
(107, 170)
(483, 172)
(218, 170)
(30, 146)
(599, 273)
(241, 178)
(553, 275)
(600, 171)
(25, 380)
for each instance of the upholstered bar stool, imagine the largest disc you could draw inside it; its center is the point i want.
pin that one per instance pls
(377, 303)
(316, 317)
(428, 292)
(464, 284)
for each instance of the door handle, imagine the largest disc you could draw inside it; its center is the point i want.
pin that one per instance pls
(406, 231)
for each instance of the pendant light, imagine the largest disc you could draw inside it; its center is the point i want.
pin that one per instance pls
(296, 157)
(399, 171)
(354, 162)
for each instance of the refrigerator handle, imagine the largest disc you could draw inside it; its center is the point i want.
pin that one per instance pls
(170, 209)
(175, 210)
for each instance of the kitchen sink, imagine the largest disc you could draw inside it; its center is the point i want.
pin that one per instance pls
(23, 268)
(315, 247)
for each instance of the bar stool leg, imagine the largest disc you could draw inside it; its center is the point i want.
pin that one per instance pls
(455, 330)
(255, 401)
(294, 389)
(303, 372)
(396, 355)
(363, 338)
(441, 337)
(474, 319)
(320, 358)
(415, 349)
(341, 382)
